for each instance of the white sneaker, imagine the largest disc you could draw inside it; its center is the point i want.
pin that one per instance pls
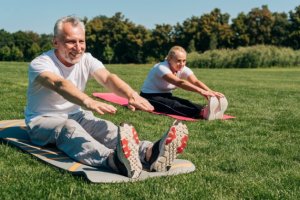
(165, 150)
(126, 156)
(223, 104)
(209, 112)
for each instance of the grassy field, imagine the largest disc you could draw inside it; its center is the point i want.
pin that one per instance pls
(255, 156)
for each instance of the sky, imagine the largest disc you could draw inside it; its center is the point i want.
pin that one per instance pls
(39, 16)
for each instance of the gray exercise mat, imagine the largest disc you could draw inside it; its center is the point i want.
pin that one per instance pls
(14, 132)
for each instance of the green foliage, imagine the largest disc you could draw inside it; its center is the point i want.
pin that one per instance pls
(280, 30)
(161, 41)
(132, 43)
(261, 26)
(22, 46)
(34, 50)
(13, 53)
(16, 54)
(214, 31)
(108, 54)
(209, 31)
(245, 57)
(5, 53)
(191, 46)
(294, 35)
(255, 156)
(260, 23)
(124, 37)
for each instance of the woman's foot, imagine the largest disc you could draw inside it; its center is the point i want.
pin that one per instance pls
(223, 104)
(209, 112)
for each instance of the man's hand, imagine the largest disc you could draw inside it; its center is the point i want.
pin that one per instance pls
(99, 107)
(137, 102)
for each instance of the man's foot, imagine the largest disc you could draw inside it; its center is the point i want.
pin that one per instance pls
(209, 112)
(165, 150)
(126, 157)
(223, 104)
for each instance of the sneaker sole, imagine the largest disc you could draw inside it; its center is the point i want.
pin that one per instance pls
(172, 144)
(212, 106)
(128, 150)
(223, 104)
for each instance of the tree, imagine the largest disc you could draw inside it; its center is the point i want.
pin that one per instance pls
(34, 50)
(240, 34)
(187, 34)
(94, 29)
(118, 33)
(108, 53)
(16, 54)
(259, 25)
(161, 41)
(191, 47)
(294, 36)
(6, 39)
(5, 53)
(214, 31)
(213, 42)
(45, 42)
(24, 41)
(280, 29)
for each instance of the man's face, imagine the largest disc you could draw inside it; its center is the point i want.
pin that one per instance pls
(70, 46)
(178, 61)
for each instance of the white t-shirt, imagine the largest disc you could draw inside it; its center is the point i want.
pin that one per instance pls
(154, 82)
(46, 102)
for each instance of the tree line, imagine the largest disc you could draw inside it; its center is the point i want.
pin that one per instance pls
(118, 40)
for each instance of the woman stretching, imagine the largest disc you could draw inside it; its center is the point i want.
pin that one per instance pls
(173, 73)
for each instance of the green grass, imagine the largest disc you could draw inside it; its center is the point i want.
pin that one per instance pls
(255, 156)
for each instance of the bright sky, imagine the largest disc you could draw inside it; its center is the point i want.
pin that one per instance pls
(40, 15)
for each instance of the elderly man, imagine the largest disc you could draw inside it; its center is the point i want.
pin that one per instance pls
(59, 112)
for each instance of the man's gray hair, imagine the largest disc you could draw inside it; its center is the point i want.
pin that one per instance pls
(75, 21)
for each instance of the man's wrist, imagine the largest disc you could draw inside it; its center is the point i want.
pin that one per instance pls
(86, 101)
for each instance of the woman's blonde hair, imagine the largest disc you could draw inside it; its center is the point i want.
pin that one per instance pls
(173, 51)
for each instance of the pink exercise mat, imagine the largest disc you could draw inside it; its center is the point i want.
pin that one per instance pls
(113, 98)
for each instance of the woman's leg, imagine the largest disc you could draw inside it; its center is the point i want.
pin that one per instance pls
(169, 104)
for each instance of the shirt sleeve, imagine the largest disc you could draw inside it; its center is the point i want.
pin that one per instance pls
(37, 66)
(163, 70)
(186, 72)
(93, 63)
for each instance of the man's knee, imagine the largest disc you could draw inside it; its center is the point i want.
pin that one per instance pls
(68, 129)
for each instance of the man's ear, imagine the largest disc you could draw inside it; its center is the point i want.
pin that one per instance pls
(54, 42)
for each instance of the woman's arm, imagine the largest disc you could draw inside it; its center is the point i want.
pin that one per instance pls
(186, 85)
